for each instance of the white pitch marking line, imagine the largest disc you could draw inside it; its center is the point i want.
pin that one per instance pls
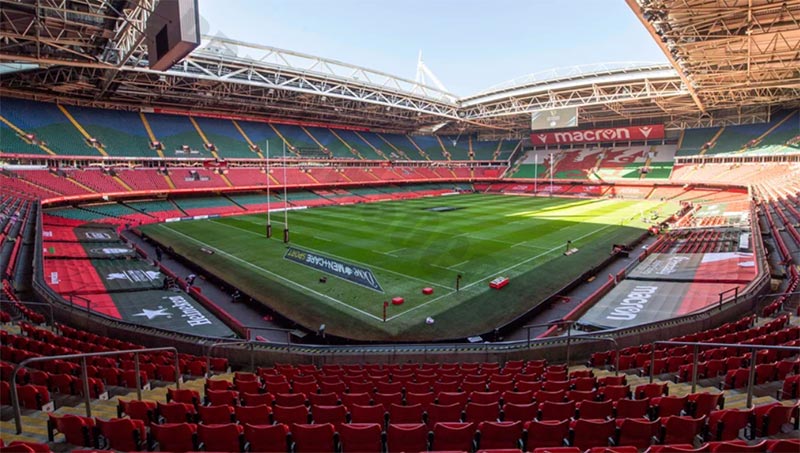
(500, 272)
(391, 252)
(323, 239)
(349, 259)
(247, 263)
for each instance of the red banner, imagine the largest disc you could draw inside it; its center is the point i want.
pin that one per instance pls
(613, 134)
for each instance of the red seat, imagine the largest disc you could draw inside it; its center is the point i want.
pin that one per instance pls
(32, 396)
(375, 413)
(637, 432)
(254, 415)
(361, 437)
(556, 411)
(256, 399)
(770, 418)
(187, 396)
(586, 433)
(474, 412)
(614, 392)
(668, 406)
(520, 412)
(220, 397)
(423, 399)
(448, 398)
(783, 446)
(305, 387)
(222, 437)
(681, 430)
(121, 434)
(582, 395)
(64, 383)
(406, 437)
(650, 390)
(517, 397)
(323, 399)
(440, 413)
(329, 414)
(215, 415)
(725, 424)
(19, 446)
(485, 397)
(387, 399)
(177, 437)
(218, 384)
(493, 435)
(77, 430)
(597, 410)
(267, 438)
(453, 437)
(626, 408)
(290, 414)
(138, 410)
(546, 434)
(317, 438)
(701, 404)
(406, 414)
(736, 447)
(349, 399)
(176, 412)
(555, 397)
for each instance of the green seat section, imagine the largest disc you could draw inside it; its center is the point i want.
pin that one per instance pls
(734, 138)
(335, 146)
(203, 202)
(430, 145)
(300, 141)
(48, 124)
(152, 206)
(254, 199)
(506, 148)
(457, 146)
(694, 139)
(11, 142)
(174, 132)
(121, 133)
(484, 149)
(659, 170)
(261, 134)
(228, 141)
(530, 171)
(402, 143)
(366, 151)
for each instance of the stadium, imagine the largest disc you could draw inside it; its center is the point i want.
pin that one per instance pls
(214, 245)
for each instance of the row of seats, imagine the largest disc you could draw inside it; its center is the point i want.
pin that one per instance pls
(133, 435)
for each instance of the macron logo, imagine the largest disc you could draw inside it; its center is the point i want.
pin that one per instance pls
(646, 131)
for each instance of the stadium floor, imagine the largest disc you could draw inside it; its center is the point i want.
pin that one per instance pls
(473, 310)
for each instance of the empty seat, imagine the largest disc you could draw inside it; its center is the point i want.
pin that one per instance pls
(222, 437)
(267, 438)
(177, 437)
(546, 434)
(361, 437)
(406, 437)
(453, 437)
(316, 438)
(493, 435)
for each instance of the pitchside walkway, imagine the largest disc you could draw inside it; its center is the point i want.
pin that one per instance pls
(247, 314)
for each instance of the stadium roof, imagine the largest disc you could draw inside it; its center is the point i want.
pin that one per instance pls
(91, 52)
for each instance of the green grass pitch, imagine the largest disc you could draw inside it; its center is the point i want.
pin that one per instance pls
(409, 245)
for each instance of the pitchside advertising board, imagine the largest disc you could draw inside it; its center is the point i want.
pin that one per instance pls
(613, 134)
(732, 267)
(554, 119)
(634, 302)
(354, 274)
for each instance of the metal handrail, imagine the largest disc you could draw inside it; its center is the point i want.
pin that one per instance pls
(558, 322)
(85, 376)
(616, 348)
(753, 347)
(248, 343)
(49, 307)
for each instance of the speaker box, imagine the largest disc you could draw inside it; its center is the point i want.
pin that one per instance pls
(173, 31)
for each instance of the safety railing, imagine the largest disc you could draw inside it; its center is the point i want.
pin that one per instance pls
(49, 307)
(754, 348)
(85, 375)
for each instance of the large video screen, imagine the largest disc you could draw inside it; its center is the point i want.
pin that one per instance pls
(554, 118)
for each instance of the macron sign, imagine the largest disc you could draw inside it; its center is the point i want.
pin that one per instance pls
(615, 134)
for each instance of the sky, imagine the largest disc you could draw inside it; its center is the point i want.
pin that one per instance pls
(470, 45)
